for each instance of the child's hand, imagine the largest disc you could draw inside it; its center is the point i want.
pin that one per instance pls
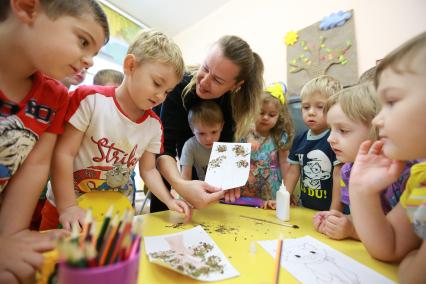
(232, 194)
(269, 204)
(338, 226)
(21, 255)
(293, 200)
(70, 215)
(372, 171)
(181, 206)
(319, 221)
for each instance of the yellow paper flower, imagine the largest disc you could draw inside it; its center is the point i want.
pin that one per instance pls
(291, 38)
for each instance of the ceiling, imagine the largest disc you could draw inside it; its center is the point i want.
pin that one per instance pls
(168, 16)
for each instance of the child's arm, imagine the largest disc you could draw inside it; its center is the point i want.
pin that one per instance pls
(62, 176)
(291, 179)
(336, 203)
(155, 184)
(186, 172)
(23, 191)
(284, 165)
(412, 268)
(389, 237)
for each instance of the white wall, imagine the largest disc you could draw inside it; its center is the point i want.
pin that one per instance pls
(381, 25)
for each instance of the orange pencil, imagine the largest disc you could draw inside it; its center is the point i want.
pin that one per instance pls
(278, 261)
(109, 239)
(126, 230)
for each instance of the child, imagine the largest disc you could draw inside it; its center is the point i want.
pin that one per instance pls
(401, 84)
(349, 115)
(274, 134)
(206, 122)
(108, 77)
(57, 38)
(110, 129)
(311, 156)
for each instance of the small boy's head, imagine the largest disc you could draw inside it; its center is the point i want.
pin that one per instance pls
(401, 84)
(349, 115)
(206, 122)
(152, 67)
(108, 77)
(314, 95)
(58, 38)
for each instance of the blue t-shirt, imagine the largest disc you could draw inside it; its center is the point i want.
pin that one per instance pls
(317, 160)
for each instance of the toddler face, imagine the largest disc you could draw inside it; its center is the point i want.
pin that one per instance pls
(346, 135)
(401, 122)
(207, 134)
(312, 112)
(267, 118)
(64, 46)
(149, 83)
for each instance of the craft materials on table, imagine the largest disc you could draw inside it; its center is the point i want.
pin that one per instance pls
(192, 253)
(229, 165)
(311, 261)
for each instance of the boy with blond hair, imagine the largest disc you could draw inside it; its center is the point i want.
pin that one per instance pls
(311, 157)
(110, 129)
(53, 38)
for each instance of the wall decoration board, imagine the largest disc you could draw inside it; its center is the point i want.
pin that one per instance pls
(122, 32)
(326, 47)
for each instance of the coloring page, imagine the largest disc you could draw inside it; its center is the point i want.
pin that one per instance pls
(229, 165)
(191, 252)
(311, 261)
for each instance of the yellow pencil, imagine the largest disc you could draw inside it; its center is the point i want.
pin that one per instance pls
(278, 261)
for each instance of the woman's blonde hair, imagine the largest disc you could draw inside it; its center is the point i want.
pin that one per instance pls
(244, 100)
(154, 46)
(407, 52)
(325, 85)
(359, 103)
(284, 123)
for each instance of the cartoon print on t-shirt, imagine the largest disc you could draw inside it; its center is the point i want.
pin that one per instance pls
(15, 144)
(316, 169)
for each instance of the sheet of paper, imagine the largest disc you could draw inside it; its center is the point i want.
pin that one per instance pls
(311, 261)
(191, 252)
(229, 165)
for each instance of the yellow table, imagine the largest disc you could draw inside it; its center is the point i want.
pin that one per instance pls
(234, 235)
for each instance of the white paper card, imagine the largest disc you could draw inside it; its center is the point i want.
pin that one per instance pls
(192, 253)
(311, 261)
(229, 165)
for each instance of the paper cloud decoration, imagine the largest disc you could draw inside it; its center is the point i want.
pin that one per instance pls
(335, 20)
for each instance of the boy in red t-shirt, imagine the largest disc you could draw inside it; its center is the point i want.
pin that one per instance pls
(56, 38)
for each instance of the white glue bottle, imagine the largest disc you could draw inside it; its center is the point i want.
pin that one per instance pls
(283, 203)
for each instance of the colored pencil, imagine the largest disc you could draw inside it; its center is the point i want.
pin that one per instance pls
(278, 261)
(104, 227)
(110, 238)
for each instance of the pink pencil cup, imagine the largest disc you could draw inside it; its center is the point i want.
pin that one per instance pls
(125, 272)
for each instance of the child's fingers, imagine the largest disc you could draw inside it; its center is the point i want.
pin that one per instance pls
(24, 272)
(8, 277)
(376, 148)
(364, 147)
